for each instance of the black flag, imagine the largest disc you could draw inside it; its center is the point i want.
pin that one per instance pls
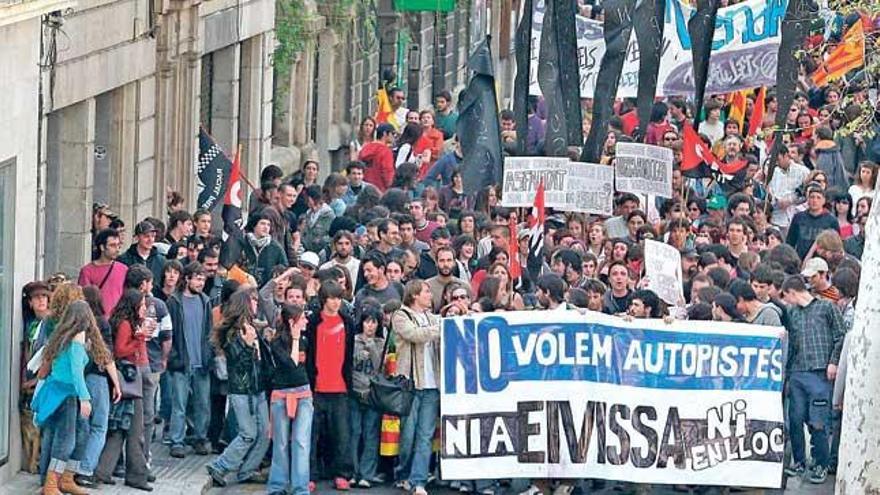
(478, 130)
(648, 17)
(701, 29)
(795, 28)
(617, 29)
(212, 173)
(521, 82)
(559, 77)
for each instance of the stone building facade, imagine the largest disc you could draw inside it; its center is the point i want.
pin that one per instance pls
(102, 102)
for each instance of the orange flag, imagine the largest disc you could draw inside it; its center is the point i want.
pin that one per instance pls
(757, 117)
(384, 106)
(845, 57)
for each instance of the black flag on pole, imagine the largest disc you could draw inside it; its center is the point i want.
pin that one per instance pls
(617, 28)
(795, 28)
(559, 77)
(648, 17)
(478, 129)
(701, 29)
(523, 46)
(212, 172)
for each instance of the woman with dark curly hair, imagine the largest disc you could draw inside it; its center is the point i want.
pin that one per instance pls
(236, 338)
(126, 422)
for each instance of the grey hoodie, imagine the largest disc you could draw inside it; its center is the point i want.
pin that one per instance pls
(366, 363)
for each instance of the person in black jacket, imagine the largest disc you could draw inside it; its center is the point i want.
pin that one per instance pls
(256, 252)
(237, 340)
(190, 360)
(143, 251)
(292, 406)
(329, 363)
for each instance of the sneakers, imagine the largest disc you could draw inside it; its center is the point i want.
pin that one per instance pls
(217, 477)
(818, 475)
(341, 484)
(364, 484)
(796, 469)
(178, 451)
(419, 490)
(403, 485)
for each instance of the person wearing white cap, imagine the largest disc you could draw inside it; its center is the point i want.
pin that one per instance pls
(816, 273)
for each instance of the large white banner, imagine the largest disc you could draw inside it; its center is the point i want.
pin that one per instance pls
(744, 52)
(560, 394)
(568, 186)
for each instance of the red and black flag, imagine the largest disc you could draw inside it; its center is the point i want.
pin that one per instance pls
(212, 172)
(699, 162)
(535, 263)
(232, 221)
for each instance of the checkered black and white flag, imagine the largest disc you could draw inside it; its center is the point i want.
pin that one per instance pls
(212, 172)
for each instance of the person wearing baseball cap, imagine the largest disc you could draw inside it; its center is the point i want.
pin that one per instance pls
(143, 251)
(102, 216)
(816, 273)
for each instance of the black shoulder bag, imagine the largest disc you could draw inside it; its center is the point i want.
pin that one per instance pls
(392, 394)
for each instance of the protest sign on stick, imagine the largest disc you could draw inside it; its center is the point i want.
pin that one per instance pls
(663, 271)
(568, 186)
(643, 169)
(563, 394)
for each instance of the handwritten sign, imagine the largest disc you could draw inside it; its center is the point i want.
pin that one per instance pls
(643, 169)
(590, 189)
(568, 186)
(744, 50)
(663, 271)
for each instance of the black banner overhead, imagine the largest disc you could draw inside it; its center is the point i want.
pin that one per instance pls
(617, 28)
(212, 172)
(559, 77)
(795, 28)
(648, 17)
(701, 28)
(478, 130)
(521, 82)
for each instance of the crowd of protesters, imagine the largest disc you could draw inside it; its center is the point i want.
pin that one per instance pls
(173, 334)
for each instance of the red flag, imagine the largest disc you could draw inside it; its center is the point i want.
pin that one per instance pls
(757, 117)
(536, 239)
(232, 221)
(513, 250)
(694, 151)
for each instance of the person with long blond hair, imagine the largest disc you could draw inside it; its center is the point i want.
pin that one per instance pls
(236, 338)
(63, 391)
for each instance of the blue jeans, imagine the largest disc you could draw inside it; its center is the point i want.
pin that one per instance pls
(91, 432)
(416, 437)
(59, 436)
(364, 424)
(291, 444)
(165, 398)
(244, 454)
(183, 384)
(810, 404)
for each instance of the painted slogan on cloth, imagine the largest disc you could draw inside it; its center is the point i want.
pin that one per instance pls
(561, 394)
(744, 51)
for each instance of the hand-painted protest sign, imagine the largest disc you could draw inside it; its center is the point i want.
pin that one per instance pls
(568, 186)
(744, 51)
(663, 271)
(568, 395)
(643, 169)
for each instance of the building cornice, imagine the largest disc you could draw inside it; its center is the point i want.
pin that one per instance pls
(15, 11)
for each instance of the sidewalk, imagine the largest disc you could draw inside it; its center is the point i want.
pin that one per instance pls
(188, 477)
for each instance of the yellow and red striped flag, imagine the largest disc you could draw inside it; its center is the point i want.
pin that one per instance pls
(845, 57)
(757, 117)
(383, 110)
(738, 108)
